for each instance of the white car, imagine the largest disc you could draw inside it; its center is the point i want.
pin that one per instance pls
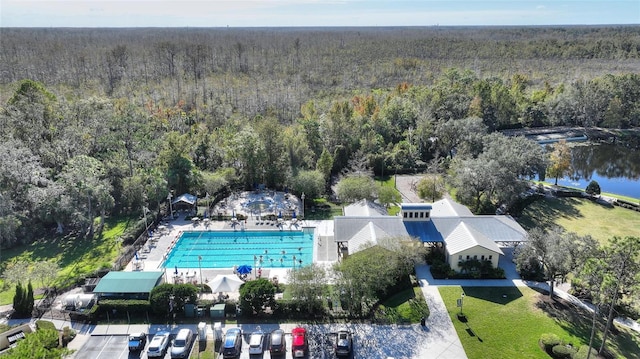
(158, 345)
(256, 342)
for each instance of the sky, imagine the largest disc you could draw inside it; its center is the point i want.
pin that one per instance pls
(296, 13)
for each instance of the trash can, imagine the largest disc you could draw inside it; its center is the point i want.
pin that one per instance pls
(202, 331)
(189, 310)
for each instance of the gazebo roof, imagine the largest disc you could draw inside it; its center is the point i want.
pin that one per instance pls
(185, 198)
(128, 282)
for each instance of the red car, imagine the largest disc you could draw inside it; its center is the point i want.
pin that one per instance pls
(299, 343)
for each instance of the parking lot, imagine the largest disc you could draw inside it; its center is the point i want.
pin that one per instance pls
(368, 342)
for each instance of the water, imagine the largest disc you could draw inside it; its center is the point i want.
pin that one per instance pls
(225, 249)
(615, 168)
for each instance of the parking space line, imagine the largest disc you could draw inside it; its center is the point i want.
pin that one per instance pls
(104, 347)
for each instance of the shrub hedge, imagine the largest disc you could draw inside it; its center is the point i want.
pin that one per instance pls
(562, 351)
(548, 341)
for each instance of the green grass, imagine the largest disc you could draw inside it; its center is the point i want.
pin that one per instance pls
(76, 257)
(399, 307)
(510, 326)
(583, 217)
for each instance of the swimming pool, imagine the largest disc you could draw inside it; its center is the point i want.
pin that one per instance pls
(225, 249)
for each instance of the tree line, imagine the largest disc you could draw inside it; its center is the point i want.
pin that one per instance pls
(147, 116)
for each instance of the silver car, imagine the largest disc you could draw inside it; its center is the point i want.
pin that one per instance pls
(182, 344)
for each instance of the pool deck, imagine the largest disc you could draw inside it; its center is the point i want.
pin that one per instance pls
(151, 256)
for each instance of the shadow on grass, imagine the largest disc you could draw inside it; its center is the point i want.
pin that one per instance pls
(498, 295)
(544, 213)
(577, 321)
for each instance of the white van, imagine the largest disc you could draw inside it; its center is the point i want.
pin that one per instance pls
(182, 344)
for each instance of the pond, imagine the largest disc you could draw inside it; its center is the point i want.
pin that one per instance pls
(615, 168)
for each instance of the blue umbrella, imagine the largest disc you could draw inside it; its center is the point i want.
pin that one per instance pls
(280, 214)
(244, 269)
(294, 214)
(137, 255)
(176, 272)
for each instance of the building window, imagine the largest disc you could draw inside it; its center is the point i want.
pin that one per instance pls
(475, 257)
(490, 257)
(404, 214)
(410, 214)
(468, 257)
(482, 258)
(428, 214)
(460, 257)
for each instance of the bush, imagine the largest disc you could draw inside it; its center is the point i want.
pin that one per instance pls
(548, 341)
(67, 335)
(583, 351)
(561, 351)
(45, 324)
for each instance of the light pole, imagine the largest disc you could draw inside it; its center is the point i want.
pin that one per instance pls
(200, 268)
(302, 197)
(294, 263)
(169, 196)
(461, 302)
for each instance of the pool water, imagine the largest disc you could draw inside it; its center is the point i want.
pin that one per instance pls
(225, 249)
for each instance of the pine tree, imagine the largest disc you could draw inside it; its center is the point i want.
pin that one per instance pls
(29, 300)
(18, 299)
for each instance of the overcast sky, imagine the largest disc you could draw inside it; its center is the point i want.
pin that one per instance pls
(269, 13)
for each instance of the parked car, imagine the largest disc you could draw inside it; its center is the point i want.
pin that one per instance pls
(137, 341)
(182, 344)
(277, 342)
(232, 346)
(299, 343)
(256, 342)
(344, 343)
(158, 345)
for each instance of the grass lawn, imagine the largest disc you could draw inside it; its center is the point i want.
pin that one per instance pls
(582, 217)
(408, 306)
(76, 257)
(507, 322)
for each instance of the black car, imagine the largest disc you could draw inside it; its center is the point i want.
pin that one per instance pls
(277, 342)
(344, 344)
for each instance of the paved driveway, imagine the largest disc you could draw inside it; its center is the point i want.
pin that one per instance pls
(106, 347)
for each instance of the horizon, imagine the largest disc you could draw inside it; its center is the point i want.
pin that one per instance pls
(314, 13)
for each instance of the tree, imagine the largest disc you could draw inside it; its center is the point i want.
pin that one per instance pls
(311, 183)
(430, 187)
(308, 285)
(256, 295)
(84, 178)
(325, 164)
(45, 271)
(388, 195)
(367, 276)
(354, 188)
(43, 343)
(556, 251)
(593, 188)
(623, 260)
(559, 160)
(29, 299)
(18, 299)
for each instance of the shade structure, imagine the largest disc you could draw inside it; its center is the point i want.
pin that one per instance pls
(244, 269)
(225, 283)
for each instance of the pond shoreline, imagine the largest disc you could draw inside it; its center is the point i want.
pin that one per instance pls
(625, 137)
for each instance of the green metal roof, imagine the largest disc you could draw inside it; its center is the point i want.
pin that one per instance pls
(128, 282)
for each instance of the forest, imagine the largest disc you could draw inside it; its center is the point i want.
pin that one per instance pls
(102, 122)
